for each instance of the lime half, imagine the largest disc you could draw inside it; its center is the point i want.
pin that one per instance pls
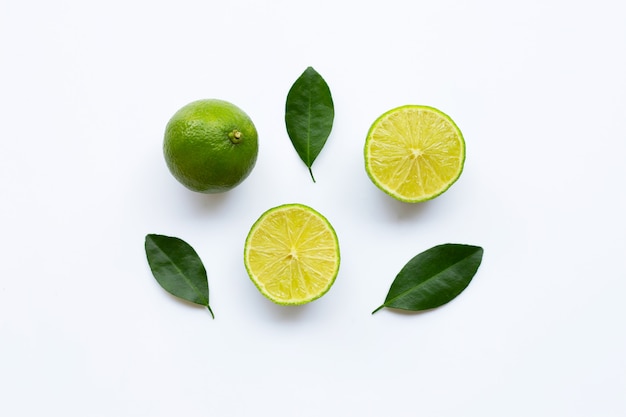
(414, 153)
(292, 254)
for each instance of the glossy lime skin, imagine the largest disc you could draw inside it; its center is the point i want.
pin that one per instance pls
(210, 146)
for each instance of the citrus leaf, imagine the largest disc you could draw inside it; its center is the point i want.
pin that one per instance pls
(309, 114)
(178, 269)
(434, 277)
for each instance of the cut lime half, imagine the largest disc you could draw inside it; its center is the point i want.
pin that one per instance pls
(292, 254)
(414, 153)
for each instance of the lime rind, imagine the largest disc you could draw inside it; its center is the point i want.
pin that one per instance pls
(394, 192)
(210, 146)
(329, 281)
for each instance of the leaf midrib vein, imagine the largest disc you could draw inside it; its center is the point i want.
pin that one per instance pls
(308, 131)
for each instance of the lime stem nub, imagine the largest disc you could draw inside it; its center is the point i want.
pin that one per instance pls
(235, 136)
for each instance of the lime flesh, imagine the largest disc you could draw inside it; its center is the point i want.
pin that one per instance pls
(292, 254)
(414, 153)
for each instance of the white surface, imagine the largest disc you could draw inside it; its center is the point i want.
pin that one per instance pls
(538, 89)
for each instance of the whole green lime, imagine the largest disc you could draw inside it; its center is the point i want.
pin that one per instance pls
(210, 146)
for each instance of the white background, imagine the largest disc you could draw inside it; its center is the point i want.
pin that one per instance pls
(539, 90)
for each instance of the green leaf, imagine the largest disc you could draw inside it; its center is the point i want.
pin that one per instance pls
(178, 269)
(309, 114)
(434, 277)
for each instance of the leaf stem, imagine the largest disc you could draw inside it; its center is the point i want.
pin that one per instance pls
(311, 172)
(379, 308)
(210, 311)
